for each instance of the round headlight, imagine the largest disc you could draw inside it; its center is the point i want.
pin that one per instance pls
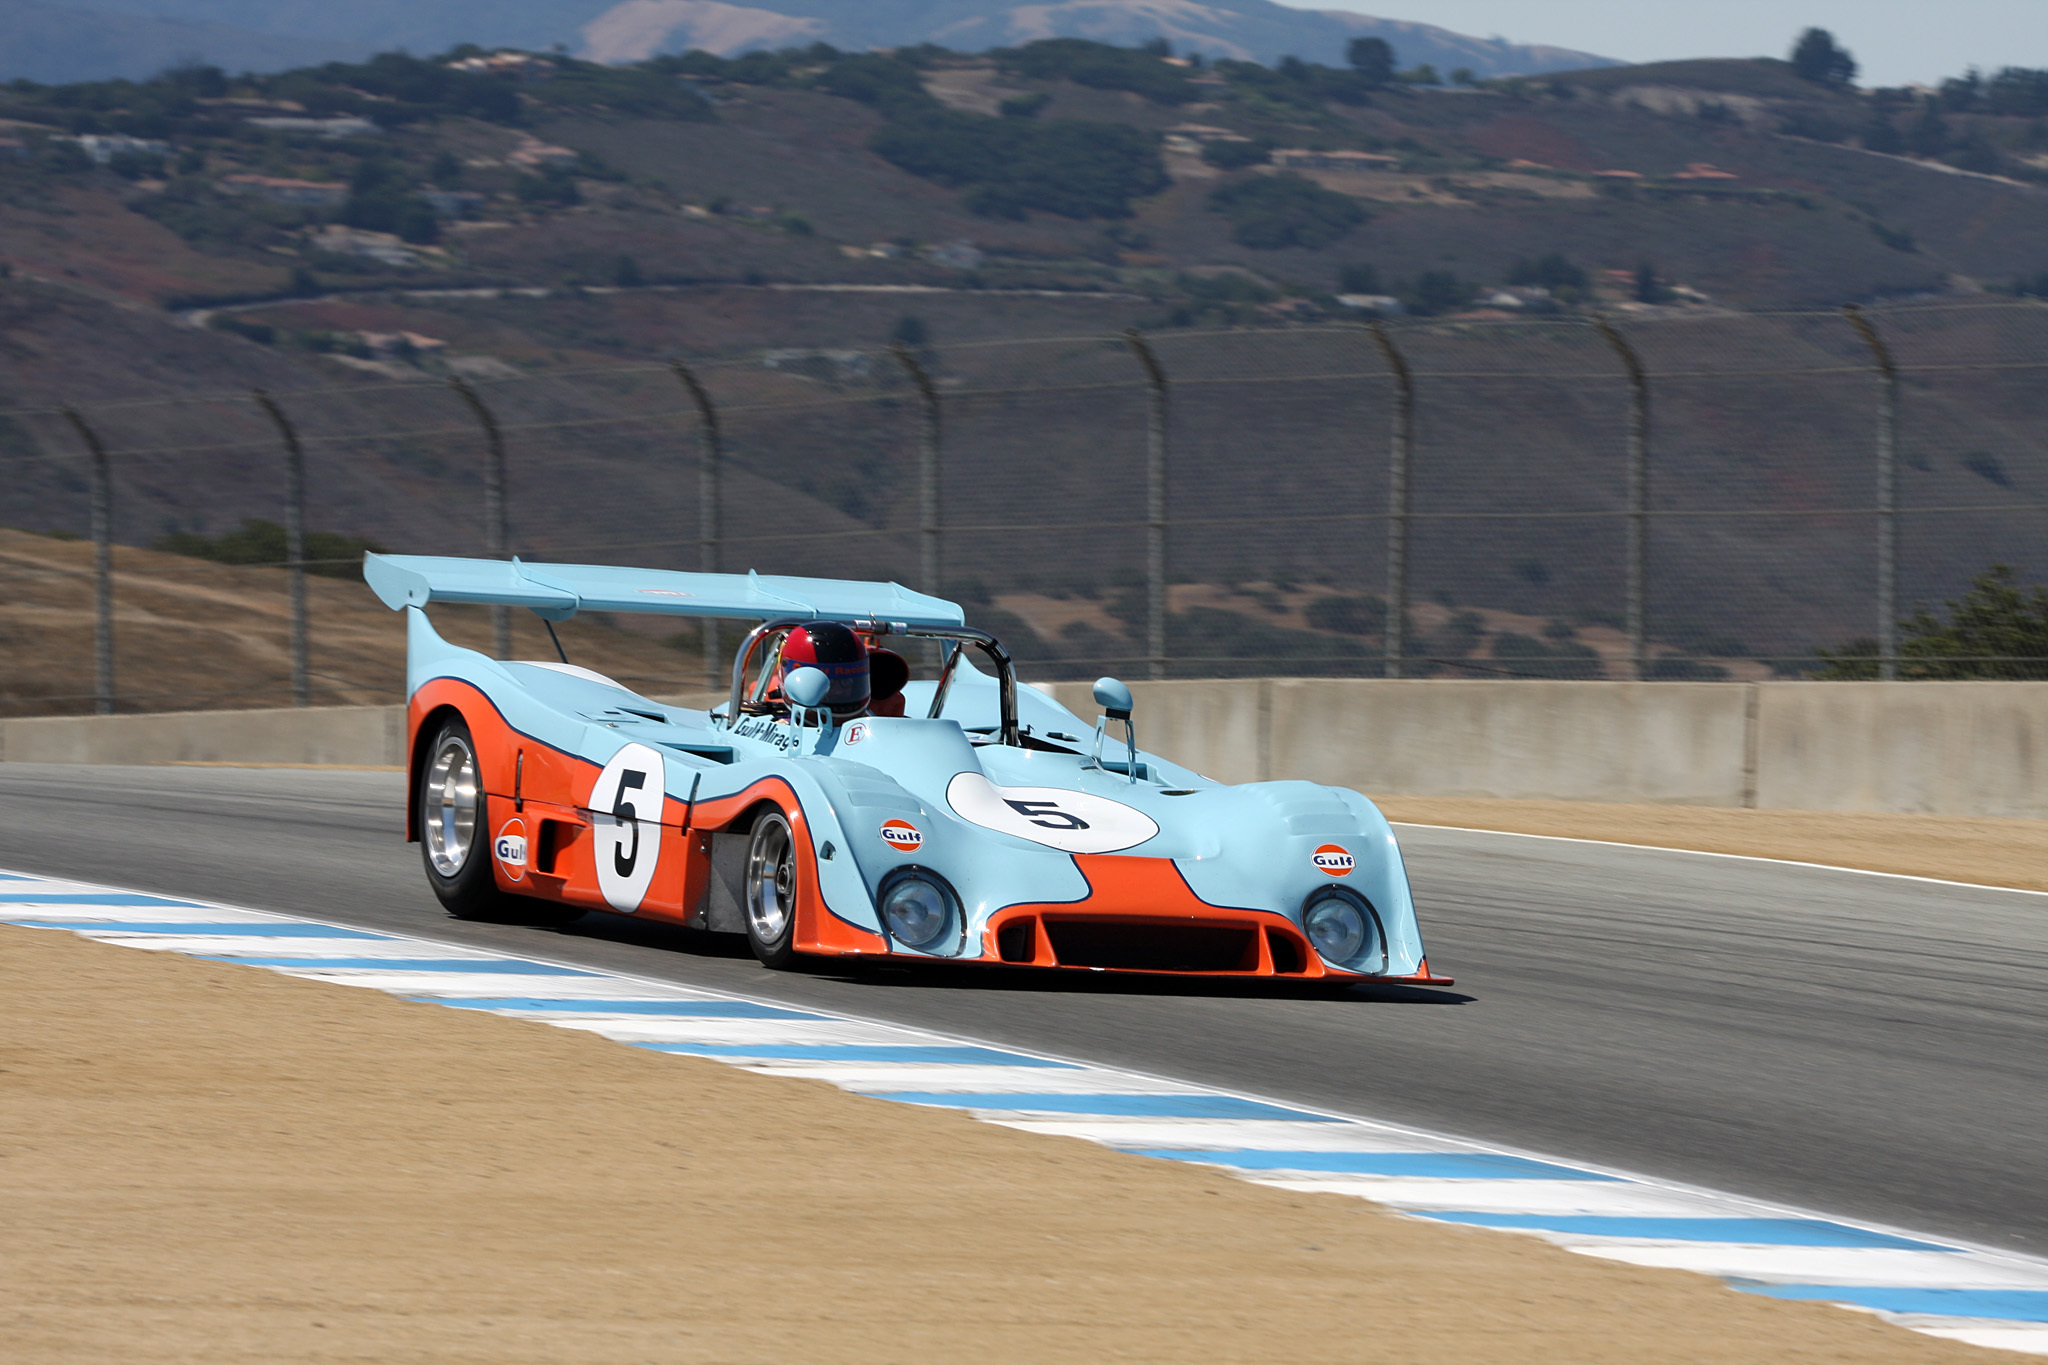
(917, 912)
(1338, 926)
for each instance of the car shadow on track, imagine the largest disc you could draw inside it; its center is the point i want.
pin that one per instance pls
(969, 976)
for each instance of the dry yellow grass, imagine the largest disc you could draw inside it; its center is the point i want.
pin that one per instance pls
(1953, 848)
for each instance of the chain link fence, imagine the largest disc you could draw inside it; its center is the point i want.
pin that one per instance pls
(1682, 496)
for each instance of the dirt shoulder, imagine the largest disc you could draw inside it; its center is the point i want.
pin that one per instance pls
(207, 1162)
(1954, 848)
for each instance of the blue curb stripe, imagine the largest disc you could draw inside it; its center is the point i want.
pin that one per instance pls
(1122, 1106)
(2010, 1305)
(1418, 1165)
(102, 898)
(194, 928)
(395, 964)
(695, 1009)
(856, 1052)
(1779, 1232)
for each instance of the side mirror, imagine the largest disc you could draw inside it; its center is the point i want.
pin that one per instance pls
(806, 688)
(1113, 697)
(1115, 700)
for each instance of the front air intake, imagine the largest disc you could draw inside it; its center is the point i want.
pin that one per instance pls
(1153, 947)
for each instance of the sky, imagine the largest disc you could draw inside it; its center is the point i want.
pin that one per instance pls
(1896, 41)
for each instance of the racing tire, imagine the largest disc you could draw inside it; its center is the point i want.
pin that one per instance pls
(454, 832)
(771, 892)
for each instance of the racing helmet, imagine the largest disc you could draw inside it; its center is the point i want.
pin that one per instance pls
(839, 654)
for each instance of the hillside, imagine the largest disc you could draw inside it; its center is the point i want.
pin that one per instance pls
(189, 635)
(536, 225)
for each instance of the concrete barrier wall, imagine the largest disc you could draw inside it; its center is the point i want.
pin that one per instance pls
(1933, 748)
(353, 736)
(1929, 748)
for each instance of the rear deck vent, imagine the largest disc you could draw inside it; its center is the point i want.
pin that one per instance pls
(1153, 947)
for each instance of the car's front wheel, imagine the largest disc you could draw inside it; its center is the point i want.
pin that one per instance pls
(771, 889)
(455, 823)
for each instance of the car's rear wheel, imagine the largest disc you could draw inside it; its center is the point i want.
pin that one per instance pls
(455, 825)
(772, 873)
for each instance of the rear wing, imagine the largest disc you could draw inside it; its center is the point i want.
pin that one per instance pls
(556, 592)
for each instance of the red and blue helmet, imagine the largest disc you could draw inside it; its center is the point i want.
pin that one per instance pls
(835, 651)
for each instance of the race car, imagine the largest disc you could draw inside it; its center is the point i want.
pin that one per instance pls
(833, 810)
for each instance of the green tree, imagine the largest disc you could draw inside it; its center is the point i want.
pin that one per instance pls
(1818, 58)
(1995, 630)
(1372, 59)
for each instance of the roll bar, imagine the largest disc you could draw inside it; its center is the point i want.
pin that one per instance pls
(960, 636)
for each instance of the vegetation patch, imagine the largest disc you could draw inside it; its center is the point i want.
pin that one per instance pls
(1269, 212)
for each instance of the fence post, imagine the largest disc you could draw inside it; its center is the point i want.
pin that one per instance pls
(1155, 505)
(1400, 451)
(1887, 495)
(294, 543)
(710, 491)
(494, 506)
(1638, 498)
(102, 566)
(931, 531)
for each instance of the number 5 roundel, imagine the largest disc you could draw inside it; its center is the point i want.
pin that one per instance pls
(625, 815)
(1070, 821)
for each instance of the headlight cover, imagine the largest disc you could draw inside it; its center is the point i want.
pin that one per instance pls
(1344, 930)
(918, 909)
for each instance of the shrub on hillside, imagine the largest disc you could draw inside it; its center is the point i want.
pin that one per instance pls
(1269, 212)
(1995, 630)
(1234, 155)
(328, 553)
(1012, 167)
(1101, 66)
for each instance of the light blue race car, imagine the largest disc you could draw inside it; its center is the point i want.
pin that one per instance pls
(832, 809)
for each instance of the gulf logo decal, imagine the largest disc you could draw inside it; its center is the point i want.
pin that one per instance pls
(902, 836)
(510, 848)
(1334, 860)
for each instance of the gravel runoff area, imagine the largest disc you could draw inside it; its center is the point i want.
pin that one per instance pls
(1952, 848)
(204, 1162)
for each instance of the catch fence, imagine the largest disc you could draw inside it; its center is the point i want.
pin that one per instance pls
(1642, 495)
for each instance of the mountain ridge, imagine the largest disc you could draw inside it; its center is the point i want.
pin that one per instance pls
(134, 37)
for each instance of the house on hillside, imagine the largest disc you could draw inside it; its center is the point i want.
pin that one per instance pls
(346, 126)
(1307, 159)
(319, 194)
(104, 147)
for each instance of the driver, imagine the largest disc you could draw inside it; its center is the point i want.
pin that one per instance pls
(840, 655)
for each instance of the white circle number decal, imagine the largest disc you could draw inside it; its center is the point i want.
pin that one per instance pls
(625, 817)
(1070, 821)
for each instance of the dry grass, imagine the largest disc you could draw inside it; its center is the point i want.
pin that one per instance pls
(1953, 848)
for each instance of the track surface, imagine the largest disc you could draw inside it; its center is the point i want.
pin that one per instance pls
(1867, 1046)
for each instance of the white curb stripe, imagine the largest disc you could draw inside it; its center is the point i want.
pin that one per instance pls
(1998, 1299)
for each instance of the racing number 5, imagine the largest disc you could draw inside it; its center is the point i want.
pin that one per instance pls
(624, 810)
(1034, 811)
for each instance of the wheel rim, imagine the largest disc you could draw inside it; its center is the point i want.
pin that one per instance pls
(450, 806)
(771, 880)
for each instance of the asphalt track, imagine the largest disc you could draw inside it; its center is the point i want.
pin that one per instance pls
(1871, 1047)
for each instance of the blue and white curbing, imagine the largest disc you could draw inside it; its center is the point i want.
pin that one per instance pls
(1973, 1295)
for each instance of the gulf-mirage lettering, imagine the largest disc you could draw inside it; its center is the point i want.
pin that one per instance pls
(512, 849)
(767, 730)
